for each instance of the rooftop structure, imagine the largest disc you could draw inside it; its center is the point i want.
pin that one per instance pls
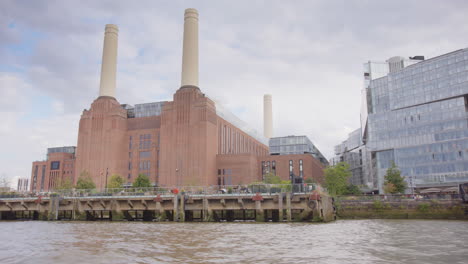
(295, 145)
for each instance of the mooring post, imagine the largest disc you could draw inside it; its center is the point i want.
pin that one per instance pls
(207, 213)
(288, 206)
(280, 207)
(260, 213)
(159, 212)
(53, 207)
(182, 208)
(176, 209)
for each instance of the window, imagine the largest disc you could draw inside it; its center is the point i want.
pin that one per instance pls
(55, 165)
(290, 169)
(145, 144)
(43, 177)
(145, 165)
(145, 154)
(301, 171)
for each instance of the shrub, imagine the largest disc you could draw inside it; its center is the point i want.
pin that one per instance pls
(141, 181)
(424, 207)
(378, 205)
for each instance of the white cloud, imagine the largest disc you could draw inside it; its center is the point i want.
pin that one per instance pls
(307, 54)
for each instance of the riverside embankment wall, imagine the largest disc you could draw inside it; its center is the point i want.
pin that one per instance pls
(381, 207)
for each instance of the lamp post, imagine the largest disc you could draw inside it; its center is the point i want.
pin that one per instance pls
(107, 173)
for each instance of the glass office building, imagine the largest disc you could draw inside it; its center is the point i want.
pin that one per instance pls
(295, 145)
(354, 152)
(417, 118)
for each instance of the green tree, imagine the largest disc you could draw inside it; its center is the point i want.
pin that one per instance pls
(85, 181)
(115, 181)
(336, 178)
(389, 188)
(270, 178)
(142, 181)
(352, 189)
(310, 180)
(64, 184)
(394, 177)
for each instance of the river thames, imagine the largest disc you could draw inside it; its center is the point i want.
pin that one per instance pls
(344, 241)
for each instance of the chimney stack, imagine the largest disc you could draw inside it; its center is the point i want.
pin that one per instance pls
(109, 61)
(267, 116)
(190, 49)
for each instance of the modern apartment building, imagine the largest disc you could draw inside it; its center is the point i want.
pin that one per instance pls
(418, 119)
(416, 116)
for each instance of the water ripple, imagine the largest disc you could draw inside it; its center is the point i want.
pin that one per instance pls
(351, 241)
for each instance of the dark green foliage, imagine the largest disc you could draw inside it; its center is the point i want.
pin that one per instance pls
(424, 207)
(352, 189)
(336, 178)
(394, 179)
(310, 180)
(142, 181)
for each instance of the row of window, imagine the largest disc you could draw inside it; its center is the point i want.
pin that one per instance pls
(232, 141)
(268, 167)
(145, 165)
(145, 136)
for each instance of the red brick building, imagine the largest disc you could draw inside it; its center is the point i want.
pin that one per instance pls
(304, 166)
(187, 141)
(58, 167)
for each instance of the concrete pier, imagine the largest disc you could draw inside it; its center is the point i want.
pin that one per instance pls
(177, 208)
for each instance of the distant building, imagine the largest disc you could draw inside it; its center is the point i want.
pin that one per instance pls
(295, 145)
(59, 166)
(294, 156)
(23, 185)
(301, 166)
(354, 152)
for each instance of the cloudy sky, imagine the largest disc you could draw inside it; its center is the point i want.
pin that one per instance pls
(307, 54)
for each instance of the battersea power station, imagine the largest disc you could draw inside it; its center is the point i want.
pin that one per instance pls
(188, 141)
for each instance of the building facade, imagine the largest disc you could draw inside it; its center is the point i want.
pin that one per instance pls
(58, 167)
(23, 185)
(295, 145)
(190, 140)
(416, 117)
(294, 157)
(355, 153)
(292, 167)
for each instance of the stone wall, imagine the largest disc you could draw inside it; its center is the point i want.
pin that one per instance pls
(402, 209)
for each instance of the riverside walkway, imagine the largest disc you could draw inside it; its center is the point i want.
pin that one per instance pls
(261, 202)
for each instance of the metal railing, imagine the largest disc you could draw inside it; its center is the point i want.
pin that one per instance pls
(228, 190)
(397, 197)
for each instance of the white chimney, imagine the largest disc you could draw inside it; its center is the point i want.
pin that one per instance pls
(190, 49)
(267, 116)
(109, 61)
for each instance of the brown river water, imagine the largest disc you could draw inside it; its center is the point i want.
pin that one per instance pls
(344, 241)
